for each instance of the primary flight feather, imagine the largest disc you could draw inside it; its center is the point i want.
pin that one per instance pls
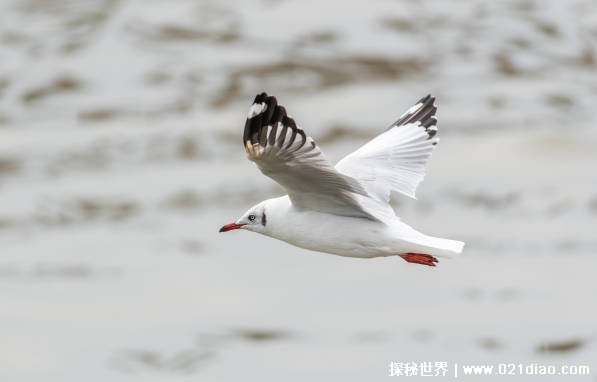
(344, 209)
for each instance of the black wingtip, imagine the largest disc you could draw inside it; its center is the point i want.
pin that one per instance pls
(425, 99)
(265, 111)
(424, 113)
(259, 98)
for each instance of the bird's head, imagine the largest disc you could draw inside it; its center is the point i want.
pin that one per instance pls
(252, 220)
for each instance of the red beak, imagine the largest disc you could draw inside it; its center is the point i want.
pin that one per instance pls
(230, 227)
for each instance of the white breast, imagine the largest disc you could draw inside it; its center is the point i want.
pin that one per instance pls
(345, 236)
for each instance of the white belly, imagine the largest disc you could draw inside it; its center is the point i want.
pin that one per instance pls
(345, 236)
(348, 236)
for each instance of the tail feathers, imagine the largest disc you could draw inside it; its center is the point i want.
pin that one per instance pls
(441, 247)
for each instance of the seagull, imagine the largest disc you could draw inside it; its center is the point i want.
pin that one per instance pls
(344, 209)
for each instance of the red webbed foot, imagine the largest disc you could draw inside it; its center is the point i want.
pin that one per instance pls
(420, 258)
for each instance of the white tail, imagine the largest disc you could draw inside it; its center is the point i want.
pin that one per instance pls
(436, 246)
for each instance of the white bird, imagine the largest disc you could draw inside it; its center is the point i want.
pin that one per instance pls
(344, 209)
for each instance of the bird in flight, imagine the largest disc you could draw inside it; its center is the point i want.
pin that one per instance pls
(344, 209)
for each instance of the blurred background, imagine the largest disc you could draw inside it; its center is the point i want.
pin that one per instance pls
(121, 157)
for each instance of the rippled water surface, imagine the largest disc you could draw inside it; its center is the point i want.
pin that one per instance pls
(121, 156)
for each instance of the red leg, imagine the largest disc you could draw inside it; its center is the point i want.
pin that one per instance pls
(419, 258)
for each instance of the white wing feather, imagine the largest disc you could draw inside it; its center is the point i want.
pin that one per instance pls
(395, 160)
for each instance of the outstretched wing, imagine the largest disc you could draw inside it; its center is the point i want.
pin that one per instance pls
(286, 154)
(395, 160)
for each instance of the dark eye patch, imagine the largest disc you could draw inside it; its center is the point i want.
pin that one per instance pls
(251, 217)
(263, 219)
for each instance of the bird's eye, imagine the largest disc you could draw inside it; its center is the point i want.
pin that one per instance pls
(251, 217)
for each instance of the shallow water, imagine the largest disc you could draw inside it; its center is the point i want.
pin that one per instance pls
(120, 157)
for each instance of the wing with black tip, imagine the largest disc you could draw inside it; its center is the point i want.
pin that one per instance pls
(395, 160)
(286, 154)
